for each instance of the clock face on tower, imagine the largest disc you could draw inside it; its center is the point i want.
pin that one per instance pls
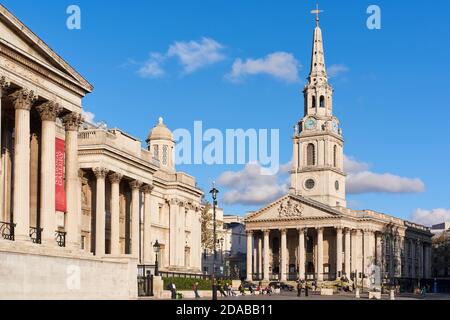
(335, 126)
(310, 123)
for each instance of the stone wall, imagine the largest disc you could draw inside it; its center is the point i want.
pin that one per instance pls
(29, 272)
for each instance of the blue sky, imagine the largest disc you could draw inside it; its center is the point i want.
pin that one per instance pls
(392, 94)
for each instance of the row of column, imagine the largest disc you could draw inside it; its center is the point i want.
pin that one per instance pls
(23, 100)
(100, 226)
(356, 256)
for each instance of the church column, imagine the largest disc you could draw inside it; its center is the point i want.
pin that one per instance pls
(260, 255)
(22, 102)
(347, 253)
(249, 255)
(319, 254)
(4, 84)
(72, 124)
(358, 252)
(366, 251)
(115, 179)
(338, 252)
(148, 248)
(100, 211)
(284, 255)
(301, 253)
(135, 226)
(266, 255)
(173, 210)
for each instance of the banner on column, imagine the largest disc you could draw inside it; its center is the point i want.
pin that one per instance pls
(60, 191)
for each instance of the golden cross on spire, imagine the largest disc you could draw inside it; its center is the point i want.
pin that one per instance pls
(317, 12)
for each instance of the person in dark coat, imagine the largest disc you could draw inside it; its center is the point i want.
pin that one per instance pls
(299, 288)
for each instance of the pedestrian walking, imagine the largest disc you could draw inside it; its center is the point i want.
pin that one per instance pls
(195, 289)
(299, 288)
(173, 290)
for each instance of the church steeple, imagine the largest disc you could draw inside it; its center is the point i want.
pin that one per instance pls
(318, 166)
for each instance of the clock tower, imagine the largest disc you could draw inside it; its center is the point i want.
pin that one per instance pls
(318, 157)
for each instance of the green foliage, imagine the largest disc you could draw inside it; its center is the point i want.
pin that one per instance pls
(186, 284)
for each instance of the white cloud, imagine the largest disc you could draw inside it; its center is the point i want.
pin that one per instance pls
(336, 70)
(430, 217)
(194, 55)
(251, 187)
(361, 180)
(152, 68)
(88, 116)
(281, 65)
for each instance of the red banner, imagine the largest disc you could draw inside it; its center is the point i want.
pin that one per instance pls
(60, 190)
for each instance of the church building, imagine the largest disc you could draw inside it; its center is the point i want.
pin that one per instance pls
(310, 233)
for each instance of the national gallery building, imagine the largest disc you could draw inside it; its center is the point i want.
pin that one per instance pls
(81, 206)
(310, 233)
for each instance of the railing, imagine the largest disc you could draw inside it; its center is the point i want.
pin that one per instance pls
(60, 238)
(7, 230)
(36, 235)
(166, 274)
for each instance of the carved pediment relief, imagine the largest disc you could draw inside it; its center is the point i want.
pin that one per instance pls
(289, 208)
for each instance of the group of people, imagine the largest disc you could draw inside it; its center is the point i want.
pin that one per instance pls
(302, 286)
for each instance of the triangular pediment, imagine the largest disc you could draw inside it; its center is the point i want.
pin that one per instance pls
(16, 36)
(293, 207)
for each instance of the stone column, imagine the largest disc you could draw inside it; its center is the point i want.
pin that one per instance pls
(100, 211)
(379, 249)
(4, 84)
(135, 221)
(48, 111)
(320, 254)
(412, 243)
(80, 181)
(347, 253)
(22, 102)
(338, 252)
(284, 255)
(72, 124)
(266, 255)
(260, 257)
(173, 210)
(366, 251)
(420, 247)
(301, 253)
(249, 255)
(148, 248)
(115, 179)
(358, 252)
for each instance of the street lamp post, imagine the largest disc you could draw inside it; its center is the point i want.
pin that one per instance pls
(214, 193)
(156, 248)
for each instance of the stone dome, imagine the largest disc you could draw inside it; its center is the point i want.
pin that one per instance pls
(160, 132)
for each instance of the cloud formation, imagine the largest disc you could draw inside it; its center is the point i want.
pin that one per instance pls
(88, 116)
(152, 68)
(194, 55)
(281, 65)
(361, 180)
(430, 217)
(250, 187)
(336, 70)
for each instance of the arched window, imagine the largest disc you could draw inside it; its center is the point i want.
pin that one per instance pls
(313, 101)
(322, 101)
(335, 162)
(311, 155)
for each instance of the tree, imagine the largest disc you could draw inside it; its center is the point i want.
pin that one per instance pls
(206, 222)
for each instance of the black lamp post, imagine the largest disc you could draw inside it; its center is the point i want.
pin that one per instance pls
(156, 249)
(214, 193)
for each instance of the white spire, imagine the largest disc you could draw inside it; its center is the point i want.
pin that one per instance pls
(318, 57)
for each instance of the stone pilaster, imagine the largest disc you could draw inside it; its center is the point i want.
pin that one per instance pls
(115, 179)
(338, 252)
(135, 221)
(72, 124)
(173, 210)
(249, 255)
(302, 253)
(266, 261)
(319, 254)
(100, 211)
(22, 101)
(148, 248)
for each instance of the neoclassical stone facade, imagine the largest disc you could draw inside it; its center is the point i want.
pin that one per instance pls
(310, 233)
(79, 200)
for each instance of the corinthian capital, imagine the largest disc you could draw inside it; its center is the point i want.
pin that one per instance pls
(147, 188)
(23, 99)
(135, 185)
(4, 84)
(100, 173)
(49, 110)
(73, 121)
(115, 177)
